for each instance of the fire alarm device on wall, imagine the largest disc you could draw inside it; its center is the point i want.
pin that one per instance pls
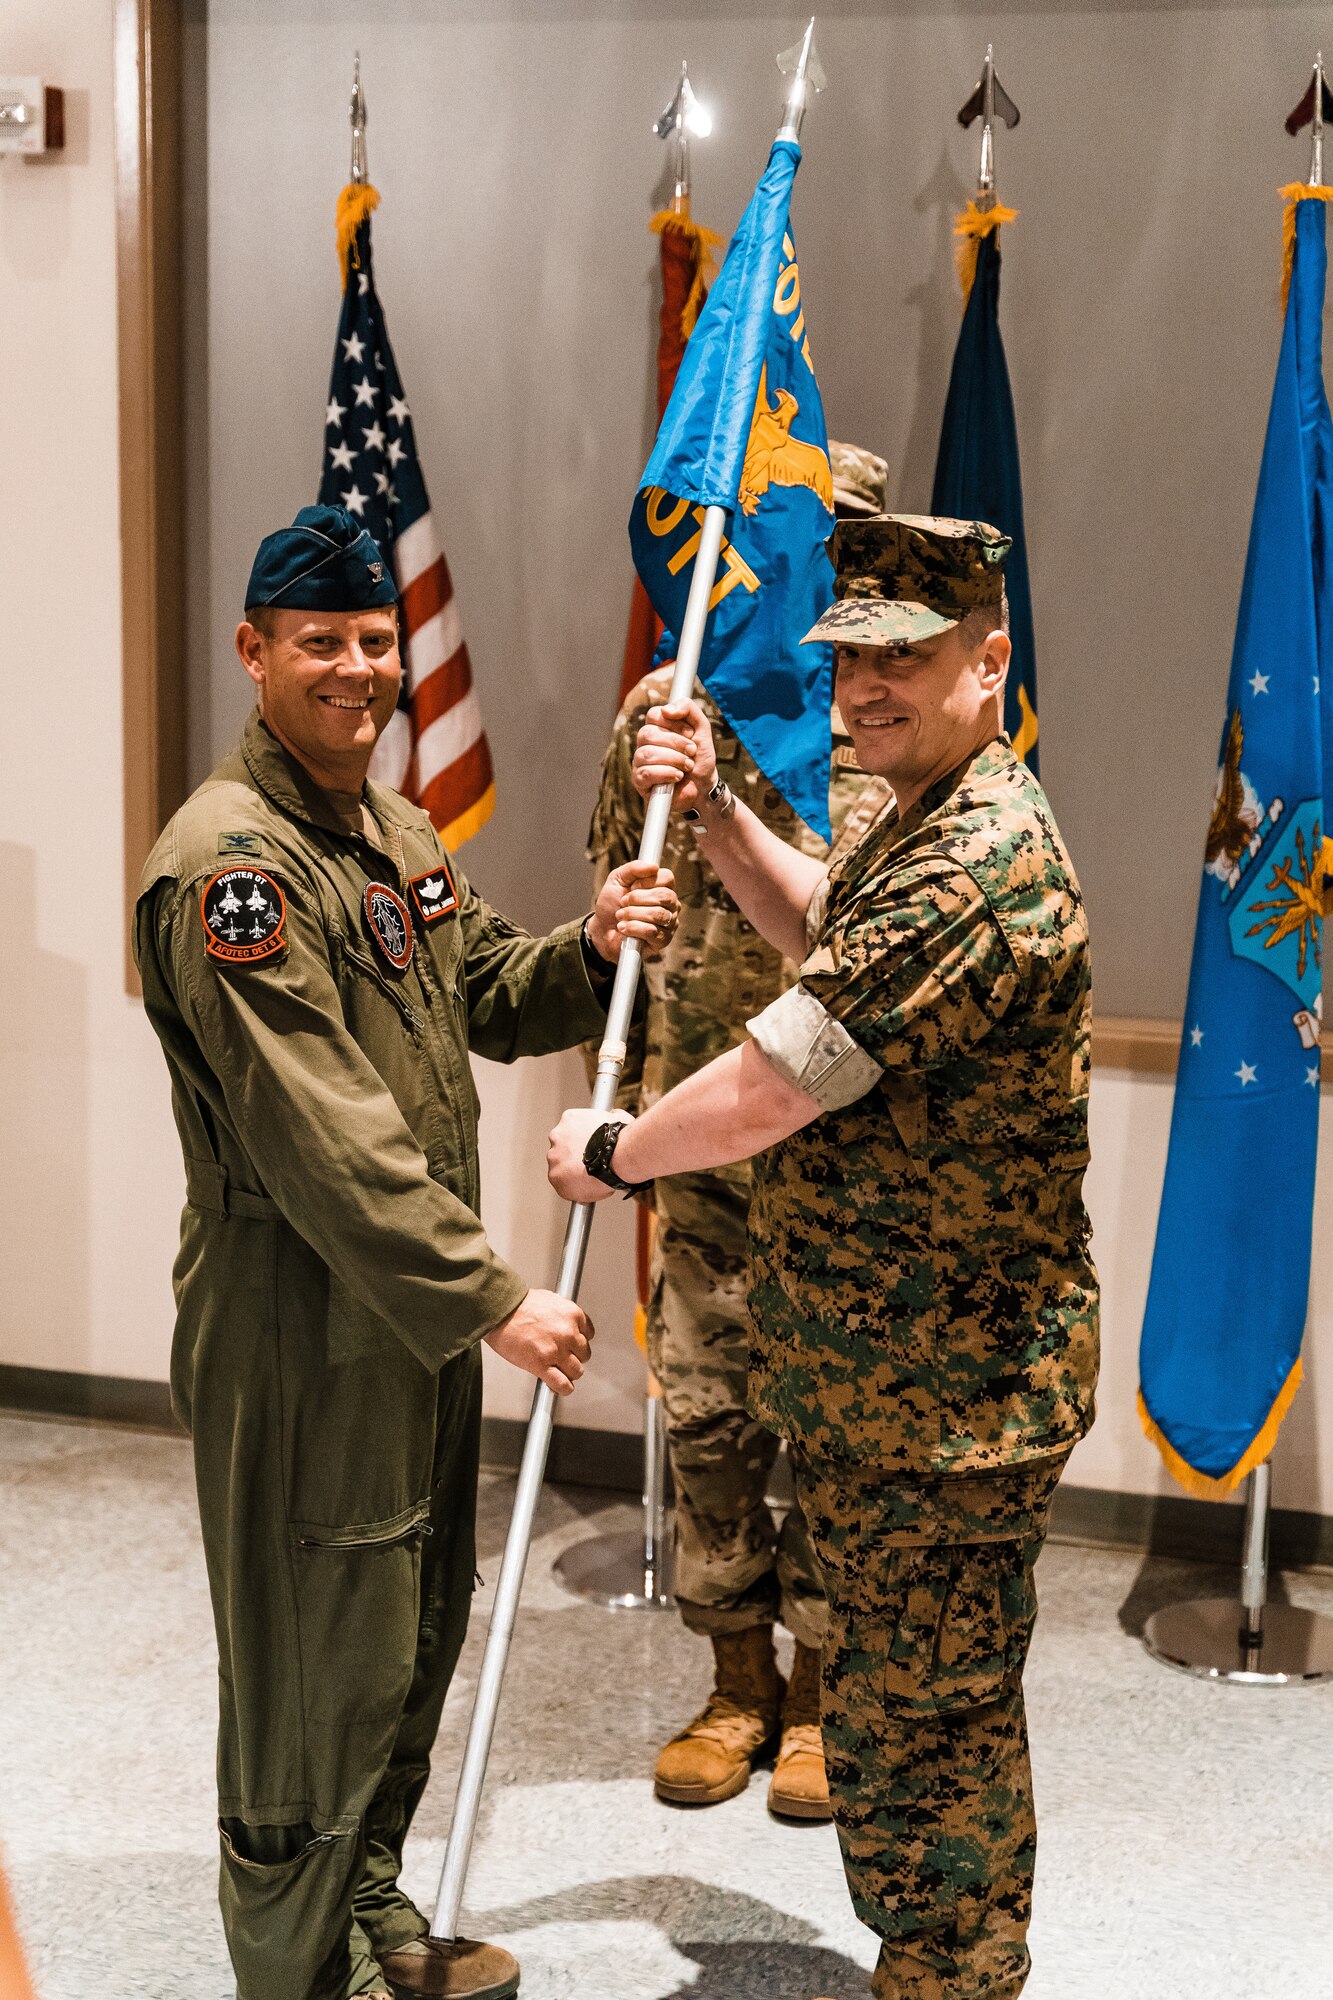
(32, 116)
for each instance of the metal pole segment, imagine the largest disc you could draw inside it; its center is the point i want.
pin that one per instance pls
(1254, 1563)
(357, 115)
(610, 1062)
(654, 1494)
(1317, 125)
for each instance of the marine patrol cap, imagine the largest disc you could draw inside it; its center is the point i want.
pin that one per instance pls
(905, 577)
(324, 562)
(860, 479)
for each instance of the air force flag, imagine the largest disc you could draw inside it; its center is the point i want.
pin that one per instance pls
(1220, 1354)
(745, 430)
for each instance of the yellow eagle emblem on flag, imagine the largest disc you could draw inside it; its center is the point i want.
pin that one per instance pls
(773, 457)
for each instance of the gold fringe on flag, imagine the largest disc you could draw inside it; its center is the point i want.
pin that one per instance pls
(1199, 1483)
(1293, 192)
(705, 242)
(971, 226)
(355, 203)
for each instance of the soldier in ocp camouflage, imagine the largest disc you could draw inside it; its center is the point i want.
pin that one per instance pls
(923, 1300)
(736, 1571)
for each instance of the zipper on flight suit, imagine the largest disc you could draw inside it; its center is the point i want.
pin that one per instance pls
(381, 1535)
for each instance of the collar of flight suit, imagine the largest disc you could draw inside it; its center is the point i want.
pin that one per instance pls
(292, 789)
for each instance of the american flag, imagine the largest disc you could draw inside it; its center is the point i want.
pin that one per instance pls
(435, 749)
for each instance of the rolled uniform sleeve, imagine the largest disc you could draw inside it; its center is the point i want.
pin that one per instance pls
(905, 983)
(324, 1132)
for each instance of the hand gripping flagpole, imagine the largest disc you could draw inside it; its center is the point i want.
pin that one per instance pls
(806, 76)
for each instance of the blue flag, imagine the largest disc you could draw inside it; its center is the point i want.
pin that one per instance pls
(745, 430)
(977, 476)
(1220, 1354)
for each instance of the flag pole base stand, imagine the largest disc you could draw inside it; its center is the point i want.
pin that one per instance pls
(1209, 1639)
(618, 1572)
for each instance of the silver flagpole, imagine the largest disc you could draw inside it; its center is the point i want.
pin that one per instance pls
(1216, 1638)
(805, 75)
(634, 1571)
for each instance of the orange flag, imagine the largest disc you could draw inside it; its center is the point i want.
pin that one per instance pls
(14, 1981)
(687, 265)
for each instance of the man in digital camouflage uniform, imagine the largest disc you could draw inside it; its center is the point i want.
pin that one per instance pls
(924, 1305)
(317, 971)
(736, 1572)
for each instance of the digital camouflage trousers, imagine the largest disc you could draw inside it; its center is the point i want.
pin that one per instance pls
(735, 1567)
(931, 1608)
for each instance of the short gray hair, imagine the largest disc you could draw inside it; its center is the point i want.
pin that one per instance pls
(976, 626)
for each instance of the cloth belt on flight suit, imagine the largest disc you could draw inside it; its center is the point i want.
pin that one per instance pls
(207, 1188)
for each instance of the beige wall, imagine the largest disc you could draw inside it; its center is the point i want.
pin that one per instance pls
(90, 1181)
(89, 1176)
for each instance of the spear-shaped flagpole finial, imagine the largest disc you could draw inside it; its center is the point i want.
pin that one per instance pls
(801, 63)
(683, 119)
(988, 101)
(357, 114)
(1315, 110)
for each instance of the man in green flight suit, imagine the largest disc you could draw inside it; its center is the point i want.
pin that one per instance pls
(737, 1572)
(317, 969)
(922, 1298)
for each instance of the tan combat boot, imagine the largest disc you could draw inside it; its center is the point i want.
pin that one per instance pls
(710, 1760)
(799, 1789)
(461, 1970)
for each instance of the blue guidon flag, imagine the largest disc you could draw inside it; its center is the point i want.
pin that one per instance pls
(1220, 1353)
(745, 430)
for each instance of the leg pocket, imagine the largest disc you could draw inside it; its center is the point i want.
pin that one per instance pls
(963, 1633)
(358, 1606)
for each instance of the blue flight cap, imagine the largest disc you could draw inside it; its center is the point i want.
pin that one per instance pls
(324, 562)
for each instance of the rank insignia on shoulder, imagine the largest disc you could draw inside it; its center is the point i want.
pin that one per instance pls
(390, 925)
(433, 894)
(240, 843)
(244, 914)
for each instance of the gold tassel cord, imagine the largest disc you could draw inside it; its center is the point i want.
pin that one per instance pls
(355, 204)
(971, 226)
(1294, 192)
(705, 242)
(1199, 1483)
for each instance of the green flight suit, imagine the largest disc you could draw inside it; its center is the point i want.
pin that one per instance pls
(332, 1286)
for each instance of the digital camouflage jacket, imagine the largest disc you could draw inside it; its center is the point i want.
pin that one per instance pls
(922, 1294)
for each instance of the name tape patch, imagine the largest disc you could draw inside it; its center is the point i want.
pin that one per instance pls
(244, 914)
(390, 925)
(433, 894)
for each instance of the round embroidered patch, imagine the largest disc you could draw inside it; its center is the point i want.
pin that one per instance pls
(244, 912)
(390, 925)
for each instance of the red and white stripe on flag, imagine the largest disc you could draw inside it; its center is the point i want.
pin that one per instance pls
(435, 751)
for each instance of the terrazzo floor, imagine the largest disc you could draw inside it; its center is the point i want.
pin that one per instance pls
(1187, 1830)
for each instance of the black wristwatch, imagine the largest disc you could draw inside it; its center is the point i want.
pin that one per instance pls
(597, 1158)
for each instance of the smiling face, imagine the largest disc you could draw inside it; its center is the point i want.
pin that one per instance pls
(916, 712)
(328, 684)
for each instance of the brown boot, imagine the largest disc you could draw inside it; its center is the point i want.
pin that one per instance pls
(799, 1789)
(460, 1970)
(710, 1760)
